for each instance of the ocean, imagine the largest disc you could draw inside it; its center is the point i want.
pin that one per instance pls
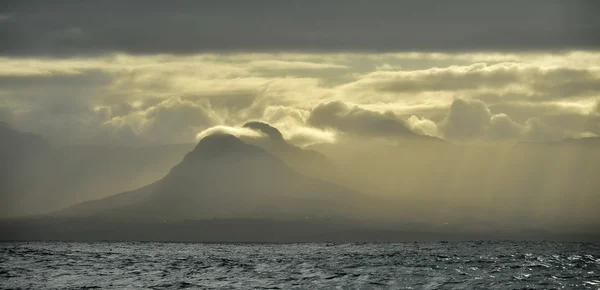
(441, 265)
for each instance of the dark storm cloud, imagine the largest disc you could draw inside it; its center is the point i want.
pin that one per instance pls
(92, 27)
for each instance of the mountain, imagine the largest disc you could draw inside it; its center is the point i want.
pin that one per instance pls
(14, 141)
(226, 190)
(20, 155)
(36, 177)
(224, 177)
(308, 162)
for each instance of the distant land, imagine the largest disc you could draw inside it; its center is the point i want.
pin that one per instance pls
(243, 189)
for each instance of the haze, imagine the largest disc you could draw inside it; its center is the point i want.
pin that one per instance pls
(463, 117)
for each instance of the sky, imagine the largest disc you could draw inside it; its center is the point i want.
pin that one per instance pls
(436, 112)
(139, 73)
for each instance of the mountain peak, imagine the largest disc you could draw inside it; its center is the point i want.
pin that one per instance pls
(218, 143)
(221, 145)
(266, 129)
(219, 138)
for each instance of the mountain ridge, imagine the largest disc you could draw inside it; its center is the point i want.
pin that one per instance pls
(224, 176)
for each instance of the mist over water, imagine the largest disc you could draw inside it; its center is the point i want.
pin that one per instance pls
(469, 265)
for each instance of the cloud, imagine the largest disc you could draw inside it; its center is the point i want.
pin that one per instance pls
(291, 122)
(469, 120)
(466, 119)
(497, 81)
(423, 126)
(536, 129)
(235, 131)
(175, 121)
(5, 17)
(296, 134)
(293, 65)
(193, 27)
(504, 128)
(355, 120)
(306, 136)
(149, 99)
(299, 136)
(285, 115)
(139, 100)
(71, 120)
(440, 79)
(593, 125)
(170, 121)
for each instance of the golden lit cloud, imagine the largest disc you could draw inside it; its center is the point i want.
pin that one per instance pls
(122, 94)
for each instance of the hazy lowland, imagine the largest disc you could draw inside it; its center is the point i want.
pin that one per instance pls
(252, 185)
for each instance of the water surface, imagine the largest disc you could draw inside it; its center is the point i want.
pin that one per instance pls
(481, 265)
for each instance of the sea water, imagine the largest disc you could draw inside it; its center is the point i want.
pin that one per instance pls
(442, 265)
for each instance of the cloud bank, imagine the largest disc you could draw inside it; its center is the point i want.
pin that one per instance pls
(312, 98)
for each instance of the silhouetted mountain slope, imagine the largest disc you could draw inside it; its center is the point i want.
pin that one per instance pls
(15, 142)
(228, 190)
(225, 177)
(36, 177)
(306, 161)
(20, 157)
(93, 207)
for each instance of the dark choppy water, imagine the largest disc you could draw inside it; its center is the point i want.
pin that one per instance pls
(484, 265)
